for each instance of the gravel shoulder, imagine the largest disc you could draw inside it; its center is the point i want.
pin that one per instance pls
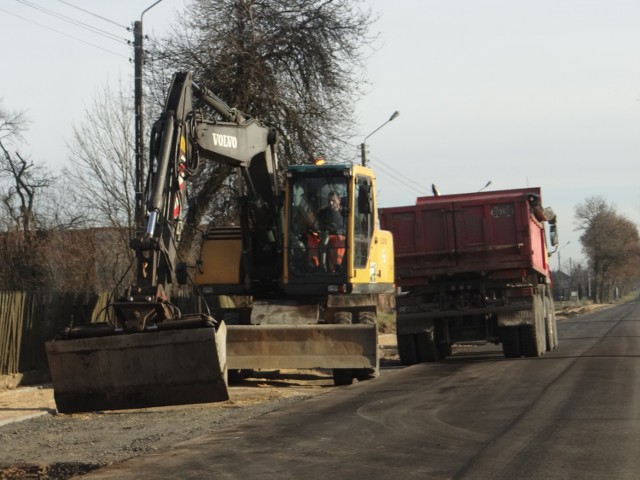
(54, 445)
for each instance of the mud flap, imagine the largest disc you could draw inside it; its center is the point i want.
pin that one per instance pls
(301, 346)
(139, 370)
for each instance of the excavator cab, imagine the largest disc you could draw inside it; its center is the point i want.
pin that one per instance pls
(333, 243)
(318, 228)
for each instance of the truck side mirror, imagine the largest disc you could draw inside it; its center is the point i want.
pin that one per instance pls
(553, 234)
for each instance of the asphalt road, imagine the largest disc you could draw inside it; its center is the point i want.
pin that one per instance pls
(574, 413)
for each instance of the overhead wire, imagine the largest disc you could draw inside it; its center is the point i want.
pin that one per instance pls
(388, 171)
(406, 181)
(62, 33)
(73, 21)
(94, 14)
(398, 180)
(147, 56)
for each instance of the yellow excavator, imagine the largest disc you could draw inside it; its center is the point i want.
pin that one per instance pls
(306, 251)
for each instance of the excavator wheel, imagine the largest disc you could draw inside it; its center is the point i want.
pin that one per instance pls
(367, 318)
(343, 318)
(342, 376)
(362, 374)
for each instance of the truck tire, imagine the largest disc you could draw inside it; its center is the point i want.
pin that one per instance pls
(510, 337)
(533, 337)
(407, 349)
(427, 347)
(417, 348)
(444, 350)
(550, 324)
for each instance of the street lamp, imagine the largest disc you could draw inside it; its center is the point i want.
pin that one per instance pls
(363, 145)
(559, 265)
(486, 185)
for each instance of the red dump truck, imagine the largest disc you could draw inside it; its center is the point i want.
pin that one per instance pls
(473, 268)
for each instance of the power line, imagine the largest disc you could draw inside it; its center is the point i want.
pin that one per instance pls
(62, 33)
(77, 23)
(406, 181)
(399, 181)
(390, 171)
(95, 15)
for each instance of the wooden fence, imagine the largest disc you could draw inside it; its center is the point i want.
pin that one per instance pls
(28, 320)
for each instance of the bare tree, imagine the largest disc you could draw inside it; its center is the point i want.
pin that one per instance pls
(611, 243)
(27, 179)
(24, 183)
(295, 64)
(101, 178)
(12, 124)
(101, 171)
(40, 244)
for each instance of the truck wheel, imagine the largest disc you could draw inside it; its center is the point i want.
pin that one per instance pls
(510, 337)
(407, 349)
(427, 348)
(533, 337)
(550, 324)
(444, 350)
(529, 340)
(342, 376)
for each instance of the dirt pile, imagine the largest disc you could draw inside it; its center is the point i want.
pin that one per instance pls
(574, 311)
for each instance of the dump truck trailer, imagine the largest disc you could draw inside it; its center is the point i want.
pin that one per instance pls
(473, 268)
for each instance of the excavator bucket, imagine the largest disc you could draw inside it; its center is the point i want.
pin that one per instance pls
(139, 370)
(302, 346)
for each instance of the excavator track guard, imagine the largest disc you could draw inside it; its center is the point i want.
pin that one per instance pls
(139, 370)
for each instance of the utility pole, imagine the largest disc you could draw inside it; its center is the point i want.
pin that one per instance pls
(139, 124)
(138, 62)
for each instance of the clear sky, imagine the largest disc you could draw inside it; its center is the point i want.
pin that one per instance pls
(520, 93)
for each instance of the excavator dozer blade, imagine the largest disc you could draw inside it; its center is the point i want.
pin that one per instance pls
(139, 370)
(301, 346)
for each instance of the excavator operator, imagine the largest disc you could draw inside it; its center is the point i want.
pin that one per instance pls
(332, 239)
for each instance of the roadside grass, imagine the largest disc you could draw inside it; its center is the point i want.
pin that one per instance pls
(386, 322)
(585, 302)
